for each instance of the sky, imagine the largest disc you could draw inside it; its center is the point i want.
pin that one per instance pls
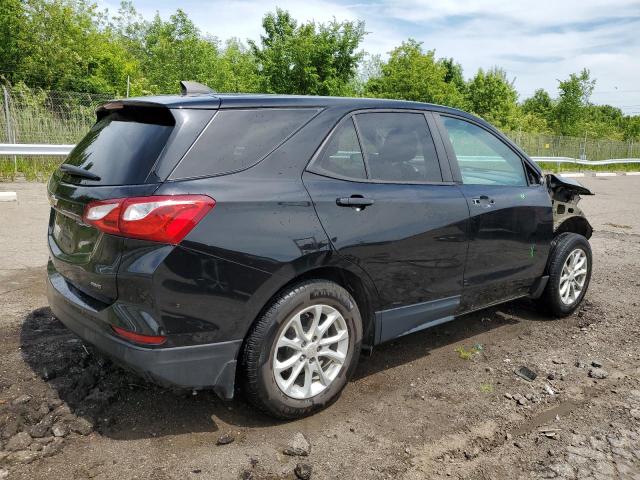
(536, 42)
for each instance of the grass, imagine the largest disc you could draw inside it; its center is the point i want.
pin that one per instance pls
(33, 169)
(486, 388)
(571, 167)
(465, 354)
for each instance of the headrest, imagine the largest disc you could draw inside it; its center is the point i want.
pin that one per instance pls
(399, 146)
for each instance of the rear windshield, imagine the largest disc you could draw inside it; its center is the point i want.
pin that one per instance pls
(122, 147)
(238, 139)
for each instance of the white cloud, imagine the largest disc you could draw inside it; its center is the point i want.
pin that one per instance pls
(539, 13)
(537, 42)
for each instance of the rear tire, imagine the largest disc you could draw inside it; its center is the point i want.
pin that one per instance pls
(569, 273)
(303, 349)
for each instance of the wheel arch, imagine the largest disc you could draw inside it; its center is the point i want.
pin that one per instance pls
(356, 286)
(349, 276)
(576, 224)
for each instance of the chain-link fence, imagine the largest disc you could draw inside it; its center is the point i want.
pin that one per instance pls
(38, 116)
(44, 117)
(541, 145)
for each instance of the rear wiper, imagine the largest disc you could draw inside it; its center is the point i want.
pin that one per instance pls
(78, 172)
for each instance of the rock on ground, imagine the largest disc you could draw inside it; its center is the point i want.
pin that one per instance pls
(298, 446)
(598, 373)
(19, 441)
(303, 471)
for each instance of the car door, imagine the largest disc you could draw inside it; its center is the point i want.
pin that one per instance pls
(511, 223)
(387, 206)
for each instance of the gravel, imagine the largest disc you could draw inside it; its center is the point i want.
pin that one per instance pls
(21, 400)
(455, 422)
(53, 447)
(19, 441)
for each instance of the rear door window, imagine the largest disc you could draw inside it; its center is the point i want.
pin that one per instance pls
(342, 156)
(122, 147)
(398, 147)
(237, 139)
(482, 157)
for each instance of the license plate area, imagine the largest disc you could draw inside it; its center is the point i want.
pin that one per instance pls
(72, 236)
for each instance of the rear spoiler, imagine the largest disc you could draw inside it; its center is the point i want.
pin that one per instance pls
(193, 95)
(145, 112)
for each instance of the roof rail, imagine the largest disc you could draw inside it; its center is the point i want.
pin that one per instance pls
(188, 87)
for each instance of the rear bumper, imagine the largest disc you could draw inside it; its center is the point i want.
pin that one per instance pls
(198, 366)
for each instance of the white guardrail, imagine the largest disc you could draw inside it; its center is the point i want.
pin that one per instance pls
(612, 161)
(34, 149)
(43, 149)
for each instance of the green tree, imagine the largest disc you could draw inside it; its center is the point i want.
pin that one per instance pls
(602, 121)
(311, 59)
(128, 25)
(631, 128)
(67, 45)
(413, 74)
(369, 67)
(492, 96)
(175, 50)
(539, 104)
(572, 102)
(453, 73)
(236, 69)
(60, 33)
(12, 30)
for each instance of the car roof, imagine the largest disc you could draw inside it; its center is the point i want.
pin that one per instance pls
(264, 100)
(255, 100)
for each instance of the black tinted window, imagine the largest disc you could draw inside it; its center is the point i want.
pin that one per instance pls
(238, 139)
(122, 147)
(398, 147)
(482, 157)
(342, 155)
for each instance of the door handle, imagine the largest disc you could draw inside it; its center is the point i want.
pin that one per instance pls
(483, 201)
(356, 201)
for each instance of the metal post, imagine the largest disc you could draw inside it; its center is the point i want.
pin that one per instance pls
(10, 137)
(128, 84)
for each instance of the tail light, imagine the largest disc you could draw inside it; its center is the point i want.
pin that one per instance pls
(138, 337)
(160, 218)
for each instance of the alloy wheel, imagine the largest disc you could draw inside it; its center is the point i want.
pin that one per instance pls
(310, 351)
(573, 276)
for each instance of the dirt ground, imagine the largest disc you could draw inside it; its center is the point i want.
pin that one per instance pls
(442, 403)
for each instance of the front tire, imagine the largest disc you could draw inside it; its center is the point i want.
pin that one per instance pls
(569, 275)
(303, 349)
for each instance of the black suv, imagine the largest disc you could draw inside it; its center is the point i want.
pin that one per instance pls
(204, 238)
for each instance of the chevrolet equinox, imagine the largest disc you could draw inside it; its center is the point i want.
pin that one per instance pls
(263, 241)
